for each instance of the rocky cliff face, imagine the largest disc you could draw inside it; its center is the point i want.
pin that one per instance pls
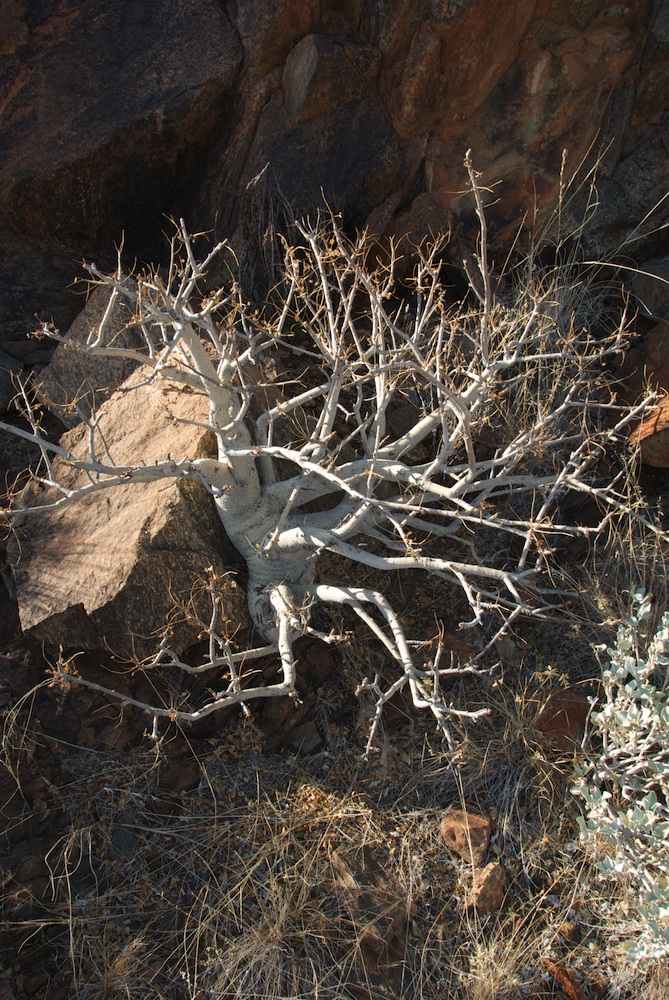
(113, 117)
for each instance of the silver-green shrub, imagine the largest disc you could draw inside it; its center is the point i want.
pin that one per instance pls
(626, 788)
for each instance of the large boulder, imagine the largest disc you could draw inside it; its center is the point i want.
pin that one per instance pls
(377, 104)
(650, 284)
(112, 117)
(104, 112)
(75, 383)
(115, 569)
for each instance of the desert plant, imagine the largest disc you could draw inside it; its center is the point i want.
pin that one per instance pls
(625, 788)
(507, 416)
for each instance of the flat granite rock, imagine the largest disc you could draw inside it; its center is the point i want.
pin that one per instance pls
(112, 570)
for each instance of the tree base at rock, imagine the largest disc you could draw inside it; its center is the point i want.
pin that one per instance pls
(117, 569)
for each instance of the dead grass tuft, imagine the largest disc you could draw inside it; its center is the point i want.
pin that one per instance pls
(280, 877)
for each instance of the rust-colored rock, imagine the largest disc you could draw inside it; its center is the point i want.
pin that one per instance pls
(113, 118)
(468, 834)
(488, 889)
(652, 436)
(562, 718)
(110, 570)
(646, 364)
(570, 982)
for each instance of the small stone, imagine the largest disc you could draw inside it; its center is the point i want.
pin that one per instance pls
(568, 979)
(488, 890)
(468, 834)
(304, 739)
(562, 718)
(569, 931)
(180, 775)
(652, 436)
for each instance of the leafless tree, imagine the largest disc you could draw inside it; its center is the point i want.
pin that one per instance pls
(508, 418)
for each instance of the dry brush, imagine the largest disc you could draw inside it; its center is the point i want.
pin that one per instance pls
(508, 416)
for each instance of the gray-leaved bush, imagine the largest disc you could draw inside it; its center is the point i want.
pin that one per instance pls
(626, 789)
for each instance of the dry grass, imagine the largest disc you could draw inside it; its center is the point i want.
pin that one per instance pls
(280, 877)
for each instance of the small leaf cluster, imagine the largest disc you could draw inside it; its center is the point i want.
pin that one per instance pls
(625, 790)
